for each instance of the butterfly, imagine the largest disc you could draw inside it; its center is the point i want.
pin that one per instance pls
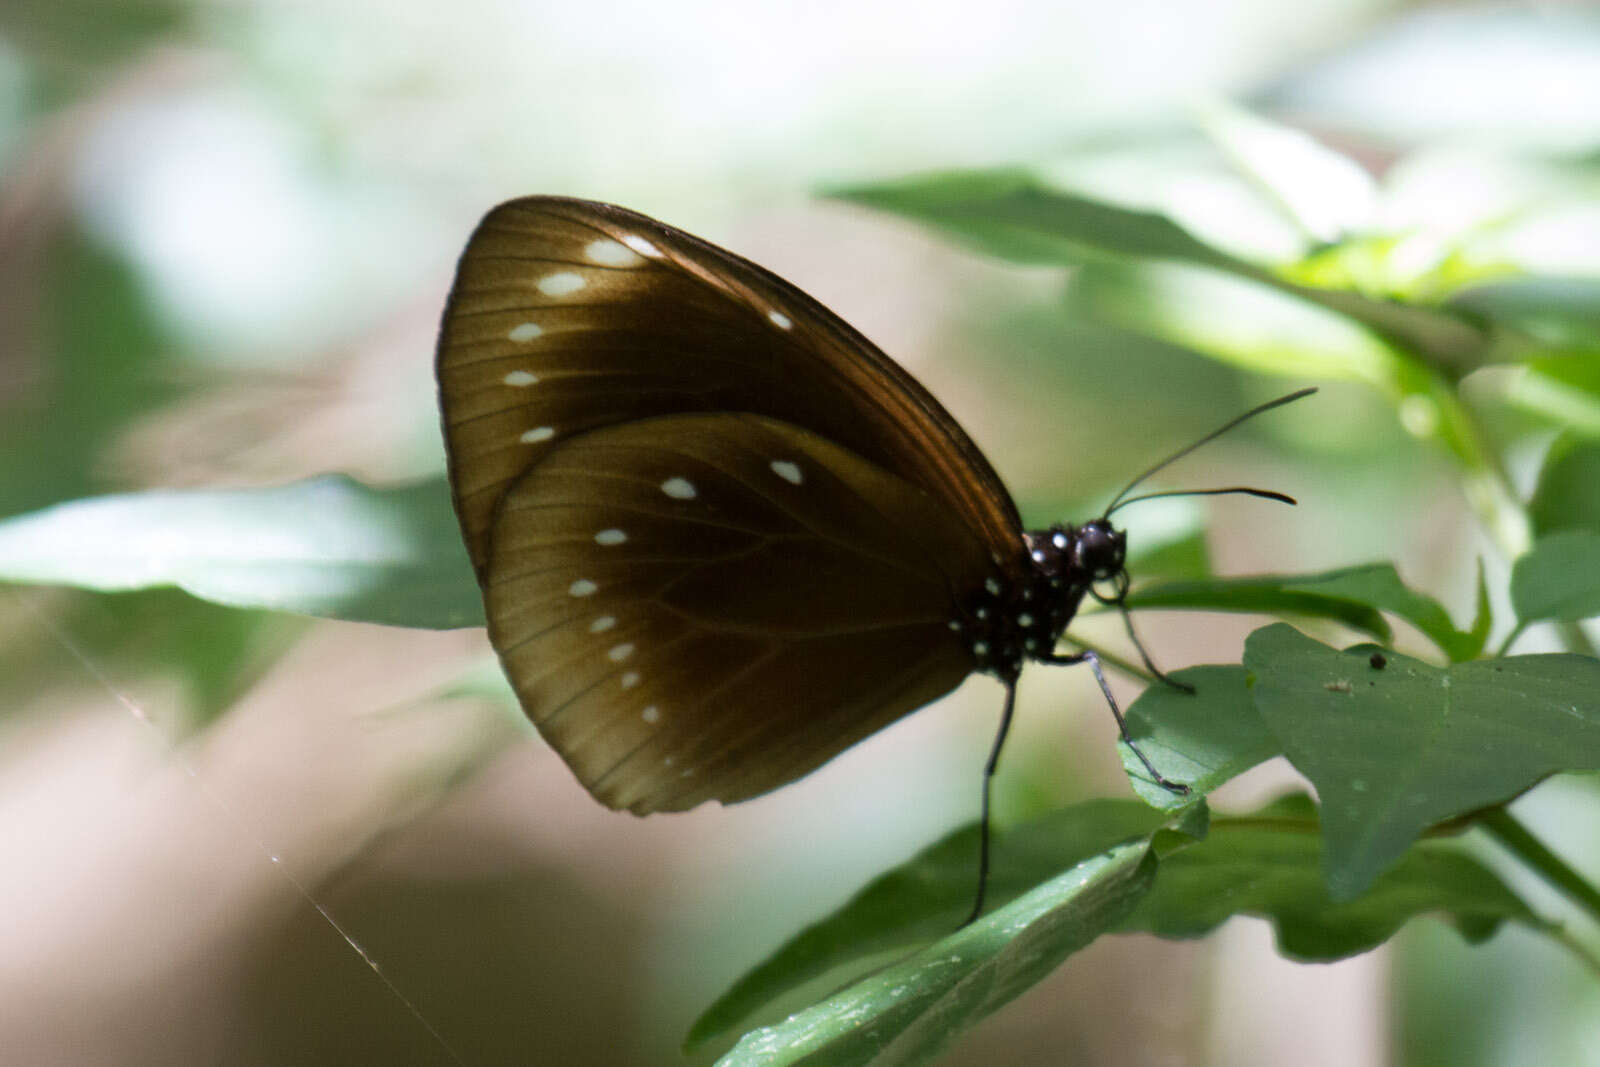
(721, 536)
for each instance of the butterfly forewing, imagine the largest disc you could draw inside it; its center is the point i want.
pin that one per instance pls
(697, 607)
(567, 316)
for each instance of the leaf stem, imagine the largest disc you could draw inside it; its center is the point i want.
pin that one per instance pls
(1511, 639)
(1515, 837)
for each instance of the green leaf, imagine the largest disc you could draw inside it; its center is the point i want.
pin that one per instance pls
(1267, 594)
(1564, 389)
(1350, 595)
(328, 546)
(1568, 493)
(1558, 579)
(1324, 193)
(1379, 585)
(1233, 320)
(926, 898)
(1482, 620)
(1559, 313)
(110, 366)
(1011, 214)
(1393, 750)
(1269, 864)
(76, 41)
(1201, 739)
(907, 1012)
(1014, 215)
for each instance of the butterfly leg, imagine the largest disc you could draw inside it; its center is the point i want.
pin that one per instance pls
(1122, 724)
(1161, 676)
(988, 781)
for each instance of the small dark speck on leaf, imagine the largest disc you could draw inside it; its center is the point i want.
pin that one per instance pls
(1378, 661)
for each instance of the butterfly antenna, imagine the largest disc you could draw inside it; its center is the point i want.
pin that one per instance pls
(1265, 494)
(1117, 501)
(983, 819)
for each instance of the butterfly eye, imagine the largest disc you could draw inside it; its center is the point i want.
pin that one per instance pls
(1098, 550)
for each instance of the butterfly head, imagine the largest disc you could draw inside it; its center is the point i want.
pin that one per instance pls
(1079, 556)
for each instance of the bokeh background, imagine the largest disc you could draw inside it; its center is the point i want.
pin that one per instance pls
(226, 232)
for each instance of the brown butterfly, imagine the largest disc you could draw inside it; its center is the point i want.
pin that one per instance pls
(721, 536)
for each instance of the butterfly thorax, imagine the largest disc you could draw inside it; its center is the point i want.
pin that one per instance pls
(1008, 623)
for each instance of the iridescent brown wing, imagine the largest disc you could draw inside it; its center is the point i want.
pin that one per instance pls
(705, 607)
(568, 316)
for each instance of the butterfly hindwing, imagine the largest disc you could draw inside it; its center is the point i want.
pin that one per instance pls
(697, 607)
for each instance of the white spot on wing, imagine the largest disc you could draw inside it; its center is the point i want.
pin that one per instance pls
(537, 434)
(640, 245)
(521, 379)
(602, 624)
(610, 253)
(651, 715)
(582, 587)
(679, 489)
(789, 472)
(561, 283)
(780, 320)
(610, 537)
(527, 331)
(993, 586)
(630, 679)
(620, 653)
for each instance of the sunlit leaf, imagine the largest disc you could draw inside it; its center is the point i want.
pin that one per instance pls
(1325, 193)
(329, 546)
(1234, 320)
(926, 898)
(1009, 213)
(907, 1012)
(1393, 749)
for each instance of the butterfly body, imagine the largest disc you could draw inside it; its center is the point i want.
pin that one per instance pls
(1006, 625)
(721, 536)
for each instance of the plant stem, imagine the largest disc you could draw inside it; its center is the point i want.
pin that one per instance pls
(1530, 850)
(1483, 479)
